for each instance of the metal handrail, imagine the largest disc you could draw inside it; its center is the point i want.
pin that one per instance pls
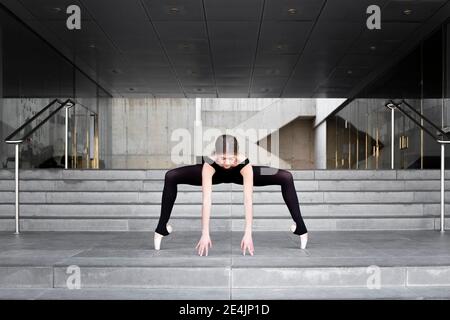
(442, 139)
(9, 139)
(62, 104)
(443, 133)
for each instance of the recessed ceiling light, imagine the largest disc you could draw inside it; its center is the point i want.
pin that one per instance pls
(174, 10)
(199, 89)
(349, 72)
(185, 46)
(292, 11)
(92, 46)
(373, 48)
(281, 46)
(272, 71)
(407, 12)
(131, 89)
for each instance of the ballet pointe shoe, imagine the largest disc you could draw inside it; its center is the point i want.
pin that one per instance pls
(158, 237)
(303, 237)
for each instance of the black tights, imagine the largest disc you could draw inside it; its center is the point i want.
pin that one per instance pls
(262, 176)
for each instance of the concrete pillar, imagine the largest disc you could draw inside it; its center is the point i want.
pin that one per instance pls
(320, 146)
(324, 107)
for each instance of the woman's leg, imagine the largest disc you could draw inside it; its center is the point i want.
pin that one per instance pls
(264, 175)
(192, 175)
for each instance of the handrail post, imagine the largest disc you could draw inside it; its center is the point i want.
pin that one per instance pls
(392, 107)
(66, 139)
(17, 187)
(442, 222)
(392, 137)
(442, 187)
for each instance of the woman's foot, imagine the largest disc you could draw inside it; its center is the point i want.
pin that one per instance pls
(158, 237)
(303, 237)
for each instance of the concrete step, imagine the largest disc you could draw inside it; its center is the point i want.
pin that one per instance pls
(157, 185)
(221, 198)
(307, 293)
(86, 174)
(112, 210)
(337, 223)
(371, 261)
(195, 197)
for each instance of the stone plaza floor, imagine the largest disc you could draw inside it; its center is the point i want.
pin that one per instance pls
(123, 265)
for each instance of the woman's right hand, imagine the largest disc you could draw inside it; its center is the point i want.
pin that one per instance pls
(203, 244)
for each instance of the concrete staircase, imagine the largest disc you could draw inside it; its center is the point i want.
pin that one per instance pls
(129, 200)
(85, 206)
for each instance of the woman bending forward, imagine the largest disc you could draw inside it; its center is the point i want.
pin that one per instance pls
(227, 166)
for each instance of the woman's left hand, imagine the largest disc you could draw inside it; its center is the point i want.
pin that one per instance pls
(247, 243)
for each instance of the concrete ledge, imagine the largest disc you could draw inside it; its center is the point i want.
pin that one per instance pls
(428, 276)
(26, 277)
(141, 277)
(313, 277)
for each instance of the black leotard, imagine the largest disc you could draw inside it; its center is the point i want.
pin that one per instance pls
(226, 175)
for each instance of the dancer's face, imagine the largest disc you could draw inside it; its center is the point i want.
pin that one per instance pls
(226, 160)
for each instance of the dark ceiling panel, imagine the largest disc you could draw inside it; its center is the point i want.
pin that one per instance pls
(205, 89)
(242, 60)
(326, 49)
(279, 60)
(359, 60)
(89, 35)
(233, 10)
(172, 10)
(186, 47)
(191, 60)
(283, 71)
(181, 30)
(342, 31)
(292, 9)
(284, 37)
(231, 71)
(233, 30)
(53, 9)
(391, 31)
(236, 82)
(147, 59)
(411, 10)
(374, 47)
(133, 34)
(190, 72)
(349, 10)
(196, 80)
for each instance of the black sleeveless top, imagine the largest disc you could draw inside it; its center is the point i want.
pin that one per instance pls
(226, 174)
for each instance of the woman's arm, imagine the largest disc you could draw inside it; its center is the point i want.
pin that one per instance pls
(247, 174)
(205, 240)
(247, 242)
(207, 173)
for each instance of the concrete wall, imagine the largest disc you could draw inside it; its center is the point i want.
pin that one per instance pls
(297, 143)
(143, 130)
